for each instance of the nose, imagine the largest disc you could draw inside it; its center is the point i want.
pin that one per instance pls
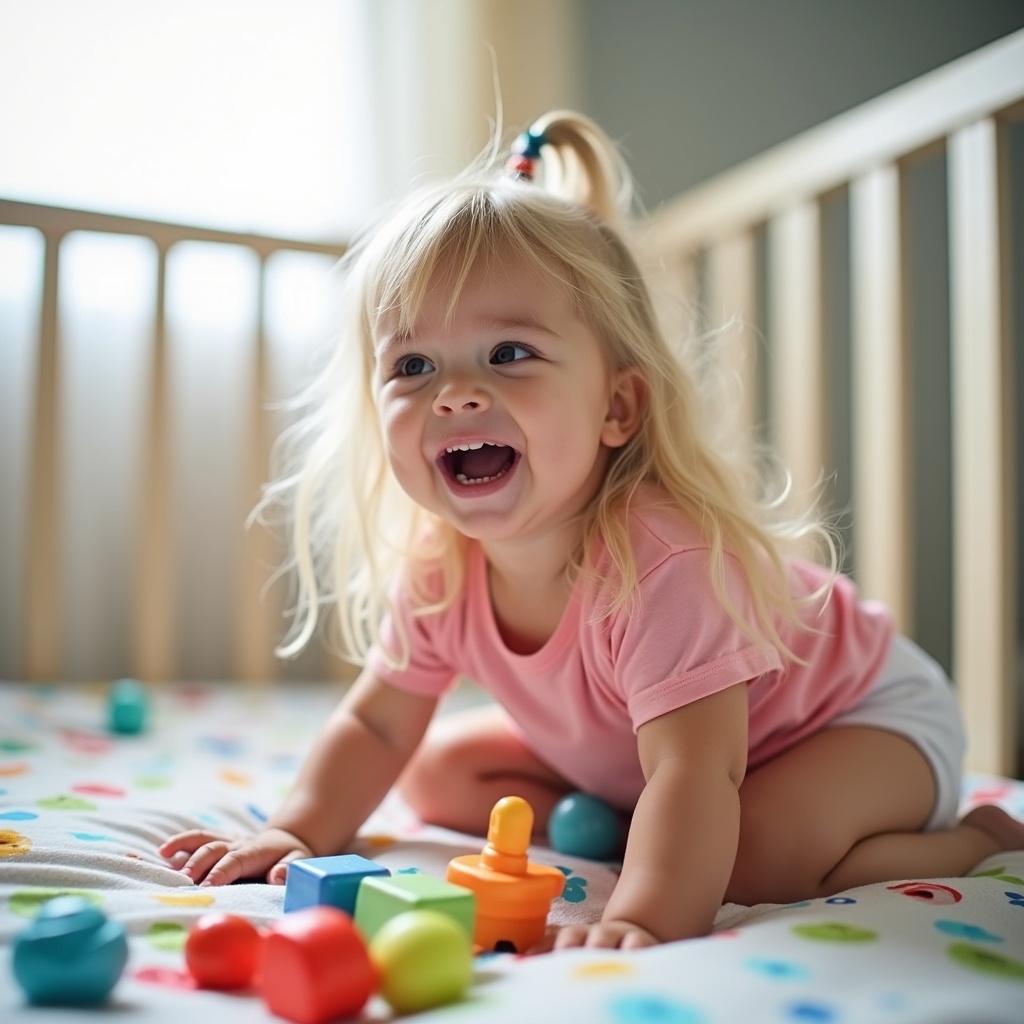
(460, 395)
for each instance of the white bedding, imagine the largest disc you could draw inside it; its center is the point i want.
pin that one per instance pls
(84, 810)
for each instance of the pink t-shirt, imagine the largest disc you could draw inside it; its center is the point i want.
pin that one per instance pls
(579, 700)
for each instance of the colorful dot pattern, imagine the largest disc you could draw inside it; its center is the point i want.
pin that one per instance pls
(82, 812)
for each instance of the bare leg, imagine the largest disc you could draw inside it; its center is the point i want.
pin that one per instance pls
(468, 761)
(846, 808)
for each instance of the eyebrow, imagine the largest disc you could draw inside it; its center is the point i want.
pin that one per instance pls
(399, 340)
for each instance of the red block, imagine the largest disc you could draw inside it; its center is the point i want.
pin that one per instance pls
(315, 967)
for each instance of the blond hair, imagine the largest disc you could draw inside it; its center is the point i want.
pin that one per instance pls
(352, 528)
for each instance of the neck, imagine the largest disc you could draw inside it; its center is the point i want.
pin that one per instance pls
(529, 590)
(537, 564)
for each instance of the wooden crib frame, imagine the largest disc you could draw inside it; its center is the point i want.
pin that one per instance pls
(964, 109)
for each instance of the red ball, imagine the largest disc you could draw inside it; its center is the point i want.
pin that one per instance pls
(221, 951)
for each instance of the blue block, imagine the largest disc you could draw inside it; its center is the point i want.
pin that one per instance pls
(330, 881)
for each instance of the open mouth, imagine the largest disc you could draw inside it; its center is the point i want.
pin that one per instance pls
(478, 462)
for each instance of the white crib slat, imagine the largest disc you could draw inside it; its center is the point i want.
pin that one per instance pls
(983, 489)
(880, 395)
(256, 621)
(43, 604)
(155, 625)
(796, 378)
(732, 283)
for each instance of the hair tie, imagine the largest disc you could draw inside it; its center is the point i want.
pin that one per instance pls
(525, 154)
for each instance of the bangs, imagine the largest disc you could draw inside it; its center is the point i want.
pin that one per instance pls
(435, 242)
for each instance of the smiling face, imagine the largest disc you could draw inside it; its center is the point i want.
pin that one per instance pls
(499, 415)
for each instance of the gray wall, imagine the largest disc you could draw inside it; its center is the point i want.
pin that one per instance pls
(691, 87)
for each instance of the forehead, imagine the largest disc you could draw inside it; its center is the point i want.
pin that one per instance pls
(505, 288)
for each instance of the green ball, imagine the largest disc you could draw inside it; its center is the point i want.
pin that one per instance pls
(425, 959)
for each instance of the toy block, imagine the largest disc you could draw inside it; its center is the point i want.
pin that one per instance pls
(513, 893)
(315, 967)
(70, 955)
(381, 899)
(330, 881)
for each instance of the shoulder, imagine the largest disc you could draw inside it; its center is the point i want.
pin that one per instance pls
(658, 530)
(664, 550)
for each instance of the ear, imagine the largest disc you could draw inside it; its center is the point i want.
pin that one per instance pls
(625, 408)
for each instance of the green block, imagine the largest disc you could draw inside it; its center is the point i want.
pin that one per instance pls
(384, 897)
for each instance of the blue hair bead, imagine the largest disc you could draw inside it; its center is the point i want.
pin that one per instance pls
(528, 144)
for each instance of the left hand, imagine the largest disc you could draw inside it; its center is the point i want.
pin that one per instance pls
(605, 935)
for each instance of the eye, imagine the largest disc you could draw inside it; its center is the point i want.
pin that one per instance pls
(510, 352)
(413, 366)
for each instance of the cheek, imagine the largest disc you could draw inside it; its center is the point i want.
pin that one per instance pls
(401, 429)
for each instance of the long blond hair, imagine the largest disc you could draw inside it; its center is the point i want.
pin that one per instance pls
(352, 527)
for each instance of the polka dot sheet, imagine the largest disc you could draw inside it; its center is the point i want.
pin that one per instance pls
(83, 810)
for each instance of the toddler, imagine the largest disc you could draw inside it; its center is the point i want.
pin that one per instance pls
(506, 473)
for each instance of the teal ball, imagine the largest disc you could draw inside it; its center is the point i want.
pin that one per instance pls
(70, 955)
(582, 825)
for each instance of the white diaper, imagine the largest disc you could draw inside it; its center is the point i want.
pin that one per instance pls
(914, 697)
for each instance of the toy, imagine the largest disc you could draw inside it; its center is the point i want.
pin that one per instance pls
(222, 950)
(513, 894)
(127, 705)
(381, 899)
(315, 967)
(582, 825)
(333, 881)
(70, 954)
(425, 959)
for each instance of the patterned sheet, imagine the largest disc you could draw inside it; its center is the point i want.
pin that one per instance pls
(83, 810)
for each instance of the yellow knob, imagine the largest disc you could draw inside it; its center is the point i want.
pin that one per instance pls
(508, 835)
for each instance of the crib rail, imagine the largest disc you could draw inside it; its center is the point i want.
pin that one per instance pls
(153, 630)
(710, 239)
(749, 239)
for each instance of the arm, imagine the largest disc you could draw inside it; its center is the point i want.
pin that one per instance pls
(685, 829)
(354, 761)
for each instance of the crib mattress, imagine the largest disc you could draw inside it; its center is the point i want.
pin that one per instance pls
(83, 810)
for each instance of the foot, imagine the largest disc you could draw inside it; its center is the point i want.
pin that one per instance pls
(1006, 831)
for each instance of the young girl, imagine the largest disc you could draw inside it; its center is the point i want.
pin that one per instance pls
(505, 476)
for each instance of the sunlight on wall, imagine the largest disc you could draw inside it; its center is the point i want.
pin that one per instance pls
(238, 115)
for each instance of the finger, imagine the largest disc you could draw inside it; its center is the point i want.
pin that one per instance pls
(229, 867)
(204, 860)
(571, 936)
(278, 874)
(188, 841)
(638, 939)
(247, 862)
(603, 938)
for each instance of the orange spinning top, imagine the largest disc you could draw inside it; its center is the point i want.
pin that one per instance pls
(513, 894)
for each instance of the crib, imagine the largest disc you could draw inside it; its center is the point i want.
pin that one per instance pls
(753, 246)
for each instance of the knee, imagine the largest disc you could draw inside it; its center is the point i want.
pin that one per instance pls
(426, 785)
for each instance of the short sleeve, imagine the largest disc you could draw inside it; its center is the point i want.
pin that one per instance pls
(430, 671)
(680, 644)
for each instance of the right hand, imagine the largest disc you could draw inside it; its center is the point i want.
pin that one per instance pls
(211, 859)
